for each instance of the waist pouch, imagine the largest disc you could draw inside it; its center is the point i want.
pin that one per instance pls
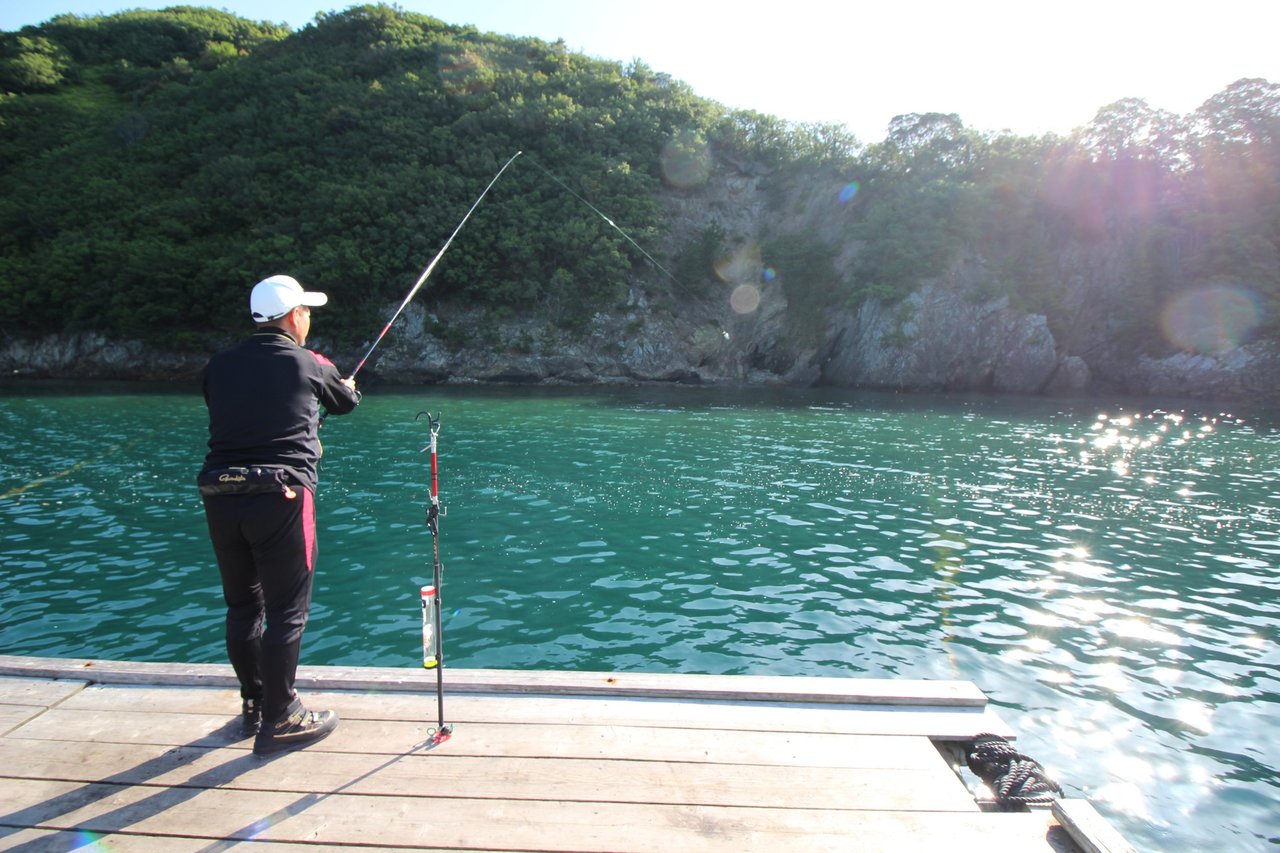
(243, 481)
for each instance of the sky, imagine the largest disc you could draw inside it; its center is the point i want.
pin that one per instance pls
(1029, 66)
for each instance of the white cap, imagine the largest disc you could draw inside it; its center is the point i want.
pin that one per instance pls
(276, 296)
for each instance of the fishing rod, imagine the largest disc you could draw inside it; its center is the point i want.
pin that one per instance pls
(432, 633)
(431, 266)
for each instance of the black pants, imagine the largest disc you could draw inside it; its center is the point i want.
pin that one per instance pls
(265, 545)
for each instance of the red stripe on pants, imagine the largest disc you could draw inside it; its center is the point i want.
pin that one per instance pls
(309, 526)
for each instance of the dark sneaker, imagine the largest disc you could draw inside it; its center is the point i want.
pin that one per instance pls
(299, 728)
(250, 716)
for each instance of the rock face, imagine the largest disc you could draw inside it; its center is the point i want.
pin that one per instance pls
(93, 356)
(941, 341)
(1249, 373)
(934, 341)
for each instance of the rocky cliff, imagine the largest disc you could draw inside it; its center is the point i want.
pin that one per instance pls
(935, 341)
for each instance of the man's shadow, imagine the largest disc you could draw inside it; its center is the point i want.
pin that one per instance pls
(161, 800)
(166, 798)
(306, 801)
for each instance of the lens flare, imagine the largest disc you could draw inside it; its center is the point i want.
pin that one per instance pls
(464, 72)
(685, 160)
(848, 191)
(745, 298)
(84, 839)
(741, 264)
(1212, 319)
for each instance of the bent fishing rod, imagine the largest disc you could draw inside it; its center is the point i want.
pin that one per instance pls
(431, 266)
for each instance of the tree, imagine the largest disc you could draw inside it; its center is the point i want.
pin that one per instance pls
(1129, 129)
(1246, 112)
(31, 63)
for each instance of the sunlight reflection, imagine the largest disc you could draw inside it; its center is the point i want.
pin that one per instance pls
(1111, 676)
(1122, 437)
(1141, 629)
(1094, 738)
(1083, 610)
(1129, 767)
(1124, 797)
(1166, 675)
(1083, 569)
(1194, 715)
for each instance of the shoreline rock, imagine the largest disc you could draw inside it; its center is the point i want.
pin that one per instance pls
(937, 344)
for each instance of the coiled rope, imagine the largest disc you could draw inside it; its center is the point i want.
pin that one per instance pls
(1014, 778)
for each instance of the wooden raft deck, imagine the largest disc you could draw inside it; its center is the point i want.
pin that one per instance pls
(148, 757)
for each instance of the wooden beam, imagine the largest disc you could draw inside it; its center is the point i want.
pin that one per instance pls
(1088, 829)
(870, 691)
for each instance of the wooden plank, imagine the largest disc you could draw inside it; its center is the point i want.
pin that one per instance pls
(52, 839)
(13, 716)
(878, 691)
(335, 819)
(1088, 829)
(435, 774)
(789, 688)
(118, 672)
(550, 764)
(534, 740)
(16, 690)
(942, 723)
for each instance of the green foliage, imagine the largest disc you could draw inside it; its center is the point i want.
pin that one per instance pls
(199, 152)
(922, 194)
(31, 64)
(805, 265)
(155, 163)
(696, 262)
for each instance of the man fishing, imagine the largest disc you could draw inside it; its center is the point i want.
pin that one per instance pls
(258, 486)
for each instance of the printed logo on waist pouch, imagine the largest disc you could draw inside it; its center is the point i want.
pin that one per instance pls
(244, 481)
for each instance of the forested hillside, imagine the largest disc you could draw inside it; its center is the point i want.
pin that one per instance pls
(153, 164)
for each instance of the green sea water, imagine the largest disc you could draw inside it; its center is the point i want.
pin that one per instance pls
(1105, 572)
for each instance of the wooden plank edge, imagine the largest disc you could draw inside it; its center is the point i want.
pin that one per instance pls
(777, 688)
(1088, 829)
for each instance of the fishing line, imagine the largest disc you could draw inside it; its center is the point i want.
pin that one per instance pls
(625, 235)
(18, 490)
(431, 266)
(615, 225)
(12, 493)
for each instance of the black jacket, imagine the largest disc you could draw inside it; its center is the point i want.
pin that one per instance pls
(264, 396)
